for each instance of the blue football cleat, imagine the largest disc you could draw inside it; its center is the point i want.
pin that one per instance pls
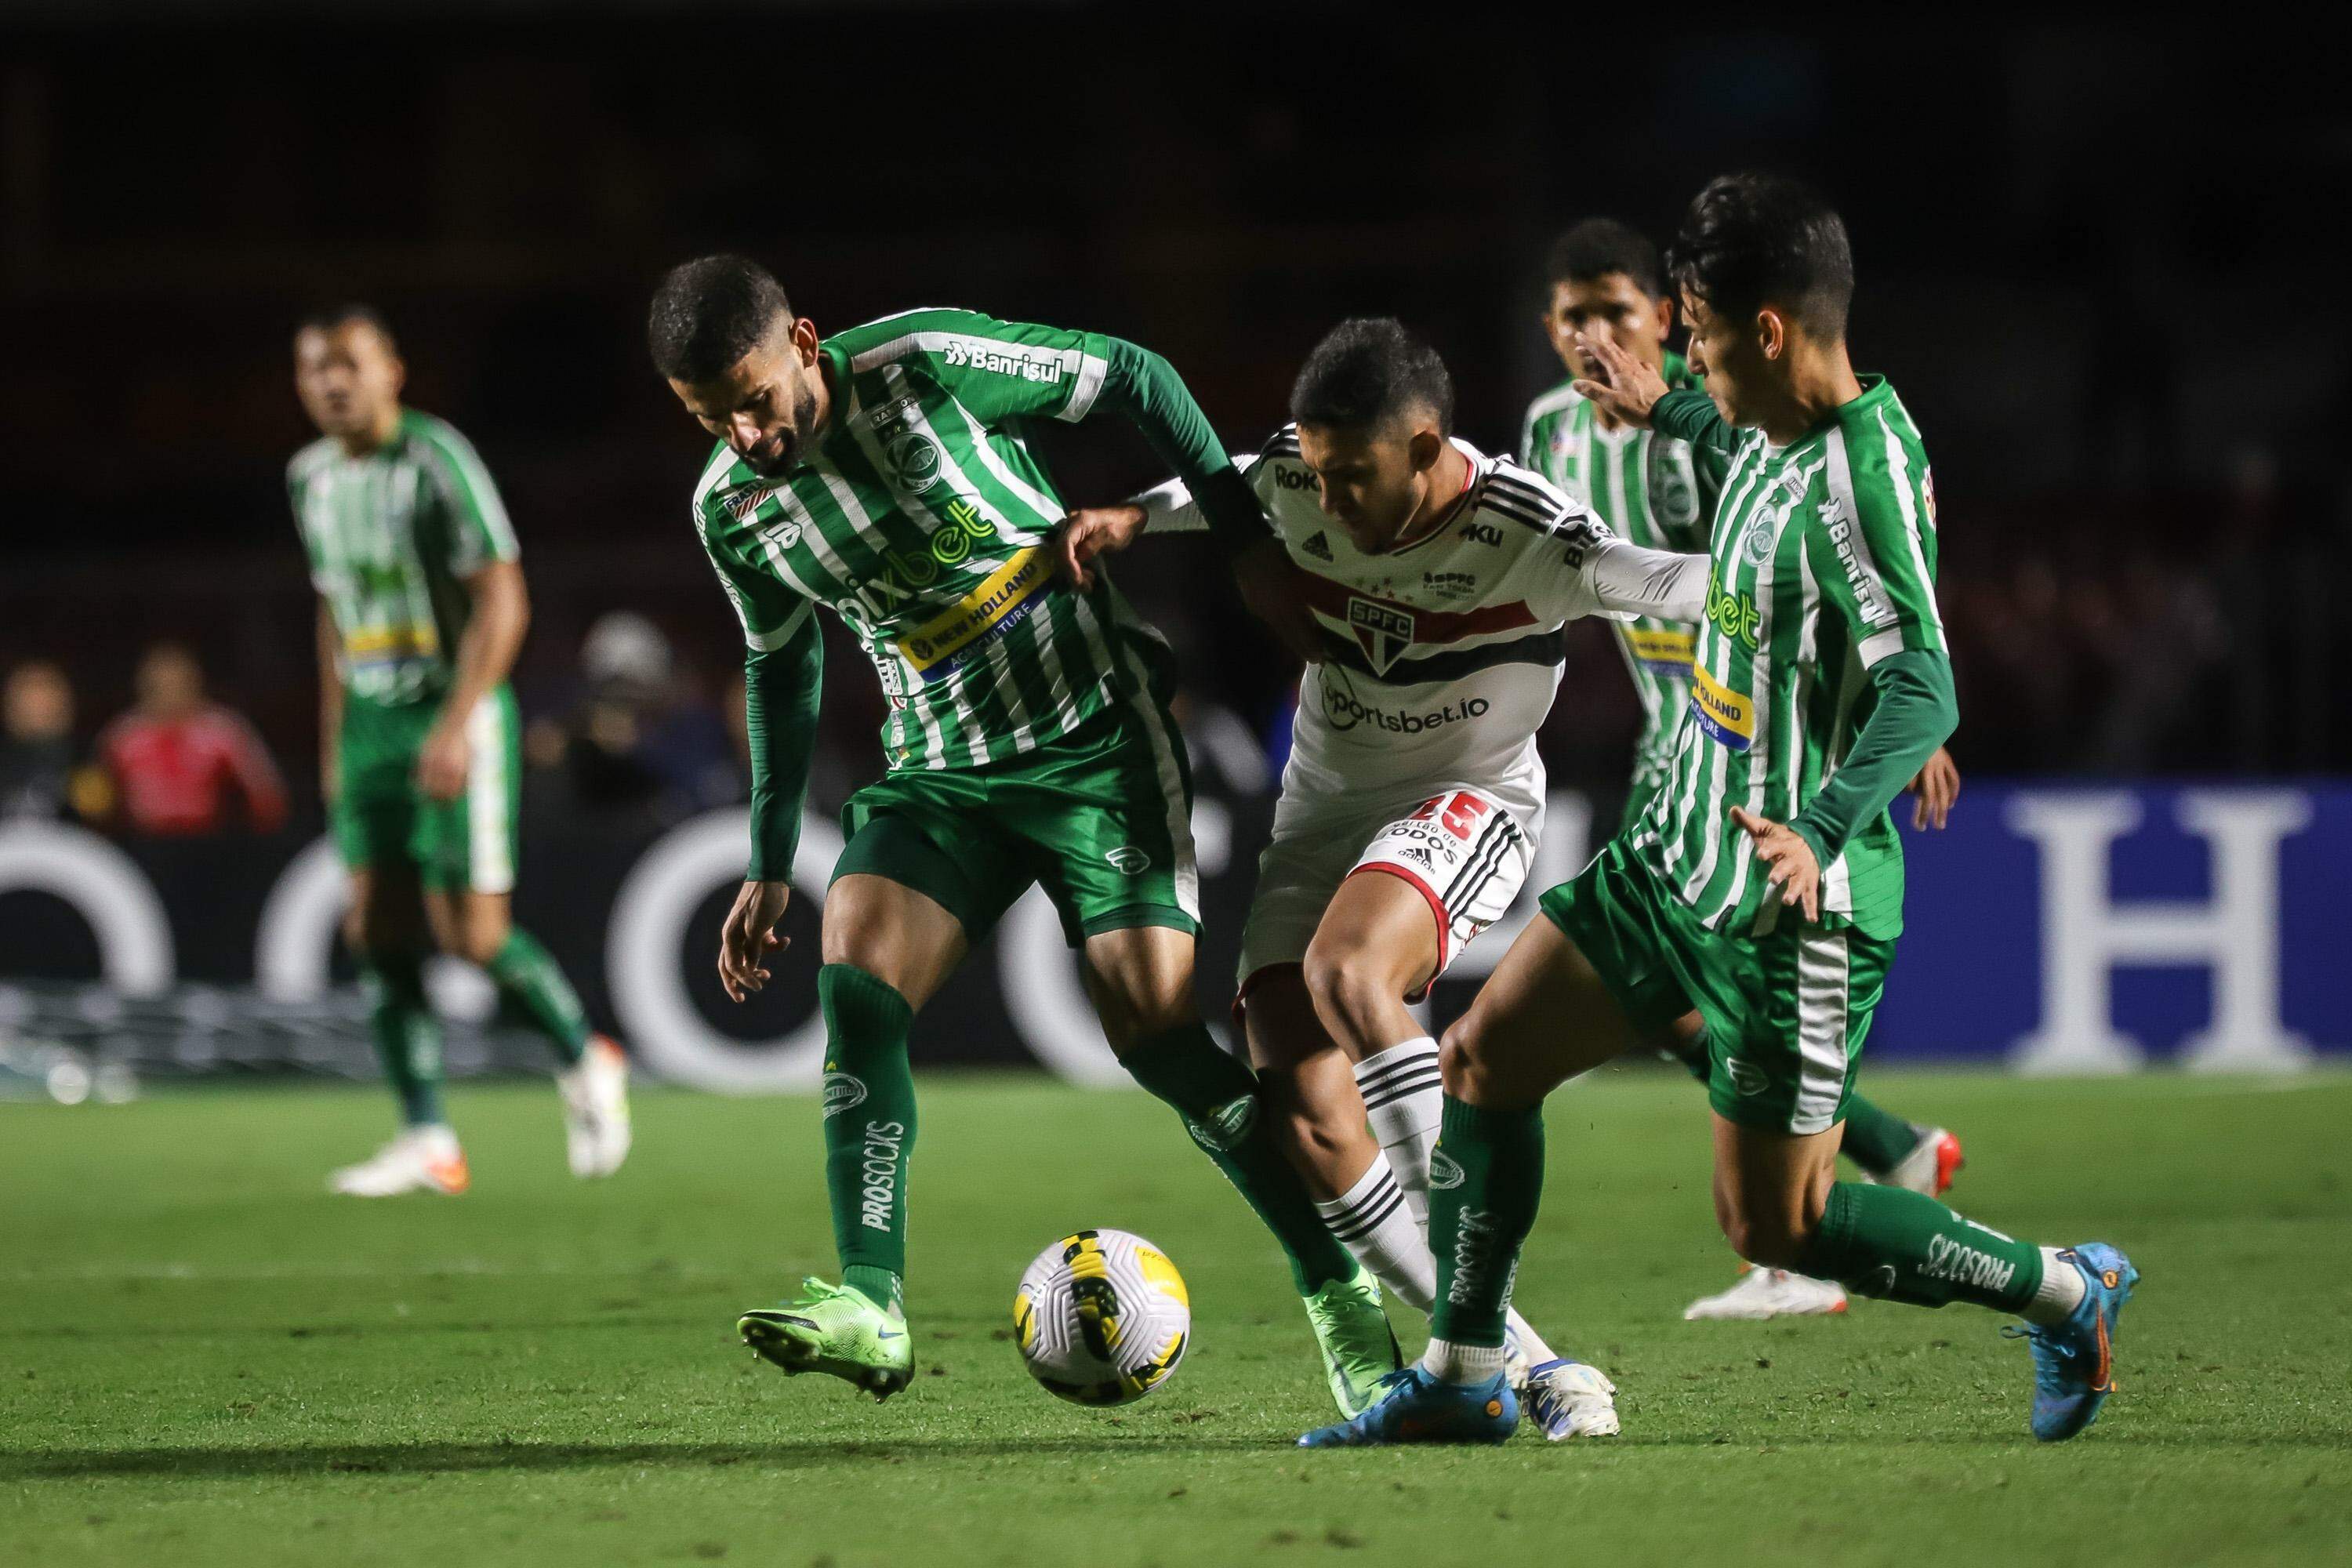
(2074, 1362)
(1416, 1407)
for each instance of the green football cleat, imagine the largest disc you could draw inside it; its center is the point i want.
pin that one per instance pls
(832, 1328)
(1358, 1347)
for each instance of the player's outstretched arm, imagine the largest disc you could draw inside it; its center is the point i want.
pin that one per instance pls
(782, 689)
(1632, 579)
(1091, 532)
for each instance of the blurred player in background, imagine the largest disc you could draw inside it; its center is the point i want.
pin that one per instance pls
(1765, 882)
(884, 472)
(1414, 795)
(421, 610)
(1608, 286)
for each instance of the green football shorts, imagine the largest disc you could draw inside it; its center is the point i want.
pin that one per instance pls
(1102, 819)
(1786, 1013)
(382, 817)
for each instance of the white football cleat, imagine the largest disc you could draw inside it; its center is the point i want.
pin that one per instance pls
(1930, 1165)
(1764, 1293)
(1515, 1364)
(421, 1159)
(597, 1109)
(1569, 1399)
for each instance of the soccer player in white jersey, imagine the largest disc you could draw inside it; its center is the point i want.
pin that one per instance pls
(1765, 884)
(1441, 577)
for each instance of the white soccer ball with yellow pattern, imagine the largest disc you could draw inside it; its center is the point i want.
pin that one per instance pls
(1102, 1318)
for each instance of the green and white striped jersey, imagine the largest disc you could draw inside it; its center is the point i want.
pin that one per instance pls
(393, 536)
(921, 517)
(1822, 562)
(1654, 491)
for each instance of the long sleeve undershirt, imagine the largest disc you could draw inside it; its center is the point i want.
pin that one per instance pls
(1916, 712)
(1689, 415)
(781, 690)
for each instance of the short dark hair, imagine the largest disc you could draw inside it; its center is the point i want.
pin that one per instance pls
(710, 312)
(1368, 370)
(328, 318)
(1753, 240)
(1601, 245)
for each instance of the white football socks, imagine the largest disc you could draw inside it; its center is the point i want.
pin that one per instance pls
(1403, 1099)
(1373, 1221)
(2060, 1292)
(1450, 1363)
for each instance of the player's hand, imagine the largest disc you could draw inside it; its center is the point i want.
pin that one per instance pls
(749, 937)
(1090, 532)
(441, 764)
(1937, 785)
(1788, 860)
(1621, 386)
(1270, 588)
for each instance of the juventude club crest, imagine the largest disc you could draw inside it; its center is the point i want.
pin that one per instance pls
(1670, 482)
(1384, 630)
(914, 459)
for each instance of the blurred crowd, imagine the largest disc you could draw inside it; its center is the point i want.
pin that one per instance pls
(2138, 640)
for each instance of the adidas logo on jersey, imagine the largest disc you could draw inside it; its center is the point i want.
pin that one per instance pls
(1318, 546)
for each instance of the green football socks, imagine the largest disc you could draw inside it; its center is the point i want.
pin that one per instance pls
(1877, 1140)
(1901, 1246)
(408, 1035)
(1486, 1180)
(1218, 1098)
(870, 1127)
(529, 983)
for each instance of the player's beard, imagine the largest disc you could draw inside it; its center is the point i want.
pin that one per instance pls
(803, 432)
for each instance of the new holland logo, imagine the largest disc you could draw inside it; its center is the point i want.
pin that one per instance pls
(1384, 630)
(1318, 546)
(842, 1091)
(1444, 1174)
(1129, 861)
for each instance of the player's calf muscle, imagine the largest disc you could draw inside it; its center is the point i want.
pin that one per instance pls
(902, 938)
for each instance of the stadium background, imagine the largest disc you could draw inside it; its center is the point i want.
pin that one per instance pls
(2085, 260)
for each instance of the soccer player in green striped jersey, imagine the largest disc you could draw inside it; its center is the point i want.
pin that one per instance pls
(421, 609)
(885, 473)
(1608, 292)
(1765, 883)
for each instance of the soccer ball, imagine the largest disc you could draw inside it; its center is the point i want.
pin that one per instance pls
(1102, 1318)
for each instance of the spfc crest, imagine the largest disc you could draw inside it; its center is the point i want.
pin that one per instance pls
(1384, 630)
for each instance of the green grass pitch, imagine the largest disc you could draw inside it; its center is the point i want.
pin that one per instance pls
(205, 1359)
